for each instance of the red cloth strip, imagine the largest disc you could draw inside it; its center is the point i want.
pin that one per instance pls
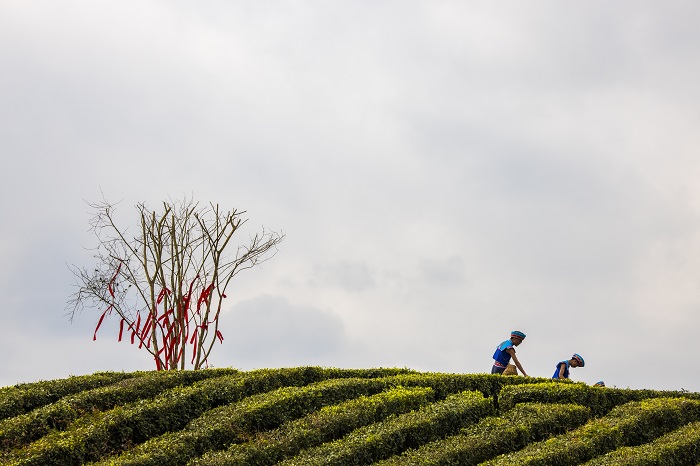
(94, 336)
(121, 329)
(116, 274)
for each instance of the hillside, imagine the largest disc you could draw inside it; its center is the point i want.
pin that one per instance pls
(326, 416)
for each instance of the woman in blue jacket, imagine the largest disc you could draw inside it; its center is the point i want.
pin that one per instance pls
(505, 351)
(562, 371)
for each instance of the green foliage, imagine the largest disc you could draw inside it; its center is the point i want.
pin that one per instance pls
(398, 433)
(239, 422)
(445, 384)
(524, 424)
(678, 448)
(22, 398)
(599, 399)
(330, 423)
(314, 415)
(99, 434)
(57, 416)
(633, 423)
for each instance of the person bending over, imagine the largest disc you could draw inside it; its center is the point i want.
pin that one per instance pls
(506, 351)
(562, 371)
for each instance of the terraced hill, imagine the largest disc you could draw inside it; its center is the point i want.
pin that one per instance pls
(325, 416)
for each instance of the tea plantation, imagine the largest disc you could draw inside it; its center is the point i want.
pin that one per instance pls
(327, 416)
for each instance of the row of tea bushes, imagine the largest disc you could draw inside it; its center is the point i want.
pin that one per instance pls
(678, 448)
(313, 415)
(599, 399)
(633, 423)
(513, 430)
(382, 440)
(238, 422)
(327, 424)
(99, 434)
(175, 448)
(489, 385)
(22, 398)
(30, 426)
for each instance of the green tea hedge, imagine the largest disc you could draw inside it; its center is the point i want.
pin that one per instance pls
(599, 399)
(315, 415)
(31, 426)
(524, 424)
(678, 448)
(105, 433)
(330, 423)
(634, 423)
(372, 443)
(22, 398)
(238, 422)
(445, 384)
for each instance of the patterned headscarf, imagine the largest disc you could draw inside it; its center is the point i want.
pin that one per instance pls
(517, 334)
(579, 358)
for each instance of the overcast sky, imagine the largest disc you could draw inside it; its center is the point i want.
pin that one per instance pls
(444, 171)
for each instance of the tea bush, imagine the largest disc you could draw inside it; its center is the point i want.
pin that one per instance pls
(398, 433)
(678, 448)
(103, 433)
(22, 398)
(315, 415)
(238, 422)
(329, 423)
(633, 423)
(57, 416)
(522, 425)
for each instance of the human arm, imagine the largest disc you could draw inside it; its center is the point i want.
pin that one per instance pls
(562, 370)
(511, 351)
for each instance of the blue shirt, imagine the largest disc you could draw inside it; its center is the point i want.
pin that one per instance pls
(501, 356)
(566, 369)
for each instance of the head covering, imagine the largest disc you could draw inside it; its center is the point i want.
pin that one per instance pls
(517, 334)
(579, 358)
(599, 383)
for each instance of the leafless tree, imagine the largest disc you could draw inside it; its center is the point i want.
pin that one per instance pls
(168, 281)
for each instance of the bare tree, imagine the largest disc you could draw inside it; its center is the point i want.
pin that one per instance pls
(167, 282)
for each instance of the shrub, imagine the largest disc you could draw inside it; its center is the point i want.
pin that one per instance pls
(526, 423)
(634, 423)
(599, 399)
(445, 384)
(382, 440)
(33, 425)
(22, 398)
(678, 448)
(238, 422)
(100, 434)
(329, 423)
(360, 416)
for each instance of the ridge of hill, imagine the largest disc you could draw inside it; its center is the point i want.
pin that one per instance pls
(330, 416)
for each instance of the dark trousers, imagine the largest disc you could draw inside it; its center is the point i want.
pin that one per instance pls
(497, 370)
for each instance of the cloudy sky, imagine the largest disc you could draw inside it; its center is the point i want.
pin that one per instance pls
(444, 172)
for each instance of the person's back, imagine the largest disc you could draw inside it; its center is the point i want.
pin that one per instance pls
(506, 351)
(562, 370)
(501, 356)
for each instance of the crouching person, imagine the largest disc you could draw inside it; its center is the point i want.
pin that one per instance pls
(562, 371)
(506, 351)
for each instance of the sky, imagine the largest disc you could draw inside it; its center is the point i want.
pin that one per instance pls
(444, 172)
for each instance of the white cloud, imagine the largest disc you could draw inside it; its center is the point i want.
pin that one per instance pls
(268, 331)
(444, 172)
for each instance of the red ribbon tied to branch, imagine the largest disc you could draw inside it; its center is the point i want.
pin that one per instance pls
(109, 308)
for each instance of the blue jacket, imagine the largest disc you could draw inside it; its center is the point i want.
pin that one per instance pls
(501, 356)
(566, 369)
